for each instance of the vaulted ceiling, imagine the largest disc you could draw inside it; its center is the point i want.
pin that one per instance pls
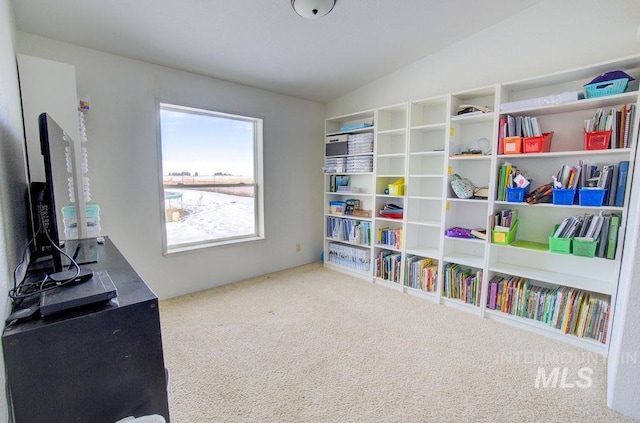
(264, 43)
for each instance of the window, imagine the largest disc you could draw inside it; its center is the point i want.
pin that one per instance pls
(211, 177)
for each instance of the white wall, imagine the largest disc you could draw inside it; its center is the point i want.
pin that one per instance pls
(13, 214)
(124, 168)
(549, 37)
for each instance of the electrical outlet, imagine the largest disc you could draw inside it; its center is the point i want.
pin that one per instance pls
(297, 248)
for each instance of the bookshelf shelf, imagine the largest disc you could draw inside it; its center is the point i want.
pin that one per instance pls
(484, 117)
(346, 216)
(422, 294)
(563, 154)
(465, 259)
(388, 283)
(346, 242)
(585, 104)
(423, 141)
(469, 157)
(424, 251)
(398, 131)
(461, 305)
(435, 223)
(576, 207)
(468, 200)
(348, 194)
(545, 329)
(602, 286)
(362, 274)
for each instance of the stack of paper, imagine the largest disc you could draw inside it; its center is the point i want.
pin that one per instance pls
(360, 143)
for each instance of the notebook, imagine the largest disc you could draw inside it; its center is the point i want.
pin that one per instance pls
(98, 289)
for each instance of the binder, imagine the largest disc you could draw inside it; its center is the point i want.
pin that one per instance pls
(614, 226)
(613, 189)
(604, 236)
(622, 182)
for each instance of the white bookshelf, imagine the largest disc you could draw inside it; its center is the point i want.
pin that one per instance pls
(422, 141)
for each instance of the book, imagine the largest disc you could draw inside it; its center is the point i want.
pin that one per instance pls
(627, 125)
(614, 225)
(479, 233)
(362, 213)
(623, 170)
(502, 134)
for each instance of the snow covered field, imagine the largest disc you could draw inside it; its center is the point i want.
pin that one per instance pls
(208, 215)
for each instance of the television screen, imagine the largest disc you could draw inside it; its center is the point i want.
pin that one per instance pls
(44, 211)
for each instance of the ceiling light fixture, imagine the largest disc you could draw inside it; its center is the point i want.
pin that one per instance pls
(312, 9)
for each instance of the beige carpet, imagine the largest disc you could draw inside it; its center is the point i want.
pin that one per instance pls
(313, 345)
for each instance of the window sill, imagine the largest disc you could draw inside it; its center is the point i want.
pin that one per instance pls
(213, 244)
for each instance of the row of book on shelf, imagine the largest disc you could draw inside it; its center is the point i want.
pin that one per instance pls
(520, 126)
(598, 231)
(510, 176)
(462, 283)
(571, 310)
(341, 183)
(388, 265)
(391, 237)
(421, 274)
(351, 257)
(610, 178)
(612, 127)
(618, 120)
(353, 231)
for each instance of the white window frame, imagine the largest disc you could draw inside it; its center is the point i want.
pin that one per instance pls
(258, 185)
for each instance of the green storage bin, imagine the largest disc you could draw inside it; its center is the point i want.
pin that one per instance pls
(504, 238)
(584, 248)
(559, 245)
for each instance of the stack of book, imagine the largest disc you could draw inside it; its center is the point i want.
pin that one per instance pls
(570, 310)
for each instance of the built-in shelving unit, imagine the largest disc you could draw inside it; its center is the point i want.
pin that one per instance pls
(426, 142)
(342, 251)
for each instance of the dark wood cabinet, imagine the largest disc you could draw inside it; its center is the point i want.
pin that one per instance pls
(93, 365)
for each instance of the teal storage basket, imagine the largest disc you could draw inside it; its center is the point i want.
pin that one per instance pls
(601, 89)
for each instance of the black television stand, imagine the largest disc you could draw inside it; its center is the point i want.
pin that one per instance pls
(100, 364)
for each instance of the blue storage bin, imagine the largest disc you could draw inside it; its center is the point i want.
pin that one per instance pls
(516, 195)
(563, 196)
(591, 196)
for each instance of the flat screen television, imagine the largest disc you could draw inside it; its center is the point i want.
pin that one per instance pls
(43, 211)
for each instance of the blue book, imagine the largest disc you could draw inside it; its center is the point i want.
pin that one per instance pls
(622, 183)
